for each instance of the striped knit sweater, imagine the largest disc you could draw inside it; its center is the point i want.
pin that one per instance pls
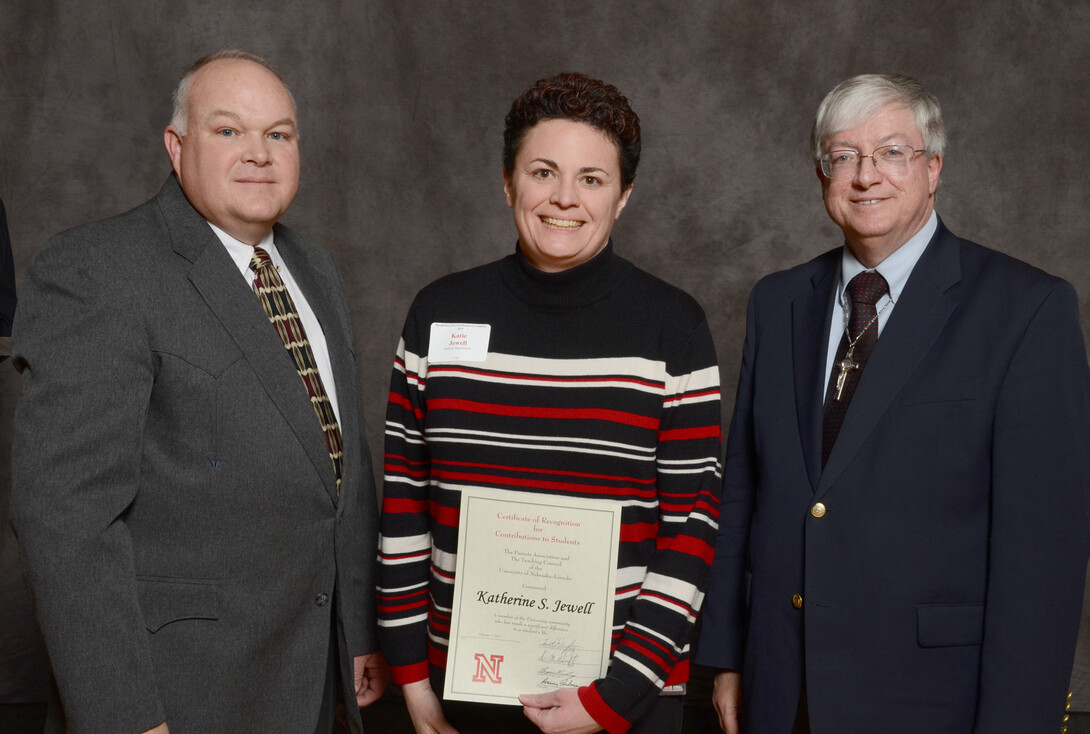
(599, 381)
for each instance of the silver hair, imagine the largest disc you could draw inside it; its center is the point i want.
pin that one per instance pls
(855, 100)
(180, 116)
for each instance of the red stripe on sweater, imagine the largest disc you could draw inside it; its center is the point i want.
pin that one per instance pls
(401, 470)
(403, 504)
(531, 411)
(403, 402)
(394, 608)
(606, 717)
(684, 608)
(403, 674)
(557, 472)
(539, 484)
(645, 651)
(689, 434)
(679, 674)
(665, 650)
(638, 531)
(444, 515)
(693, 547)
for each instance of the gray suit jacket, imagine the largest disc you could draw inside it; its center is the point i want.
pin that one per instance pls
(173, 494)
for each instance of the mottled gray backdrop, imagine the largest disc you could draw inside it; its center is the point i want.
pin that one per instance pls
(402, 104)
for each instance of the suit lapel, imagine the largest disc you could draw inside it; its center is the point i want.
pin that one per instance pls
(315, 280)
(915, 324)
(224, 290)
(810, 315)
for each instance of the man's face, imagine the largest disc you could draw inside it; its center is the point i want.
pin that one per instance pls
(880, 211)
(238, 161)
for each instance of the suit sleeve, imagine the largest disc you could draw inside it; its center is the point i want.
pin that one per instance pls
(405, 534)
(87, 373)
(1038, 551)
(653, 648)
(721, 643)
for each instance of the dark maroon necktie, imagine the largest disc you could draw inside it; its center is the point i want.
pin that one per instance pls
(858, 341)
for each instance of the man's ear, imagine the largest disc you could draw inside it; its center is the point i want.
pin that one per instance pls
(172, 139)
(934, 167)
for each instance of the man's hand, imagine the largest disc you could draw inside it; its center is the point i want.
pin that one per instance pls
(727, 699)
(424, 709)
(558, 712)
(161, 729)
(369, 675)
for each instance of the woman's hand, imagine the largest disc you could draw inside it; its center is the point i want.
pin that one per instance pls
(424, 709)
(558, 712)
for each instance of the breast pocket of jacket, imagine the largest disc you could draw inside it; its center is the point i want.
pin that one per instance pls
(165, 601)
(950, 423)
(191, 382)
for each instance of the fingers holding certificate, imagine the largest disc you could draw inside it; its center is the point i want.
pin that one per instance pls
(552, 476)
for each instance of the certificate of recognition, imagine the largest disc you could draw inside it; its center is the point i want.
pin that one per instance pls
(533, 594)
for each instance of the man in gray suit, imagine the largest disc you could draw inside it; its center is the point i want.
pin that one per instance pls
(199, 545)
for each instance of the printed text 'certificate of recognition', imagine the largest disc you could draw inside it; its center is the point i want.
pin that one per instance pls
(533, 594)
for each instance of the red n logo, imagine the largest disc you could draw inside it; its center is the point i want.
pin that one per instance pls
(487, 668)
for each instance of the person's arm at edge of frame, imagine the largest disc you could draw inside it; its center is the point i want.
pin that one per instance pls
(1039, 533)
(76, 467)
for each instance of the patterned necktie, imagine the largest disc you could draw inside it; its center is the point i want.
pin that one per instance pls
(280, 309)
(858, 341)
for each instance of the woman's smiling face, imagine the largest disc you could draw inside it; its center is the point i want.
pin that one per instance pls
(565, 190)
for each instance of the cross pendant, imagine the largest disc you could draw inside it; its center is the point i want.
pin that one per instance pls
(845, 366)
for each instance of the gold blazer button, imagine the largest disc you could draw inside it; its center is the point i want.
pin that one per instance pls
(796, 601)
(818, 510)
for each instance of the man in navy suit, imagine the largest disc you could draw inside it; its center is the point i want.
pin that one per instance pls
(903, 536)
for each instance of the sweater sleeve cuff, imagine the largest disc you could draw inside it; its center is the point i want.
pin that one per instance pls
(606, 717)
(403, 674)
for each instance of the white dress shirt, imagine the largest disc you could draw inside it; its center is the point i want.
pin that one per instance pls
(895, 269)
(242, 253)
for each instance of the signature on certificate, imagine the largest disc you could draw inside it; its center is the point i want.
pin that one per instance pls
(559, 651)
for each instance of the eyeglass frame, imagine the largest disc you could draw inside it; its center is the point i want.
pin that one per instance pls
(824, 160)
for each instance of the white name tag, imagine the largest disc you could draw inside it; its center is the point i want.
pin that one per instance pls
(458, 342)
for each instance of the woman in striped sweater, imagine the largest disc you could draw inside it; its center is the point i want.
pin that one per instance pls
(594, 379)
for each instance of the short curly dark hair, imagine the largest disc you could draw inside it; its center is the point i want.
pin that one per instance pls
(574, 96)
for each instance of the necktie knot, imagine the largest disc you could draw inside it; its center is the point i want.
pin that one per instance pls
(867, 288)
(260, 259)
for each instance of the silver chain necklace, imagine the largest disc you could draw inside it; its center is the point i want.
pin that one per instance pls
(847, 364)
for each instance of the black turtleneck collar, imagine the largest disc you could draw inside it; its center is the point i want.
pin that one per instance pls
(572, 288)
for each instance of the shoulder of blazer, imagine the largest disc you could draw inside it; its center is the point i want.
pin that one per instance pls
(974, 266)
(801, 279)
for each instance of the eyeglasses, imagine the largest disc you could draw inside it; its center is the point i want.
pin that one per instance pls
(889, 159)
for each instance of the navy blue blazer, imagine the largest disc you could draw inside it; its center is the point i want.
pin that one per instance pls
(941, 587)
